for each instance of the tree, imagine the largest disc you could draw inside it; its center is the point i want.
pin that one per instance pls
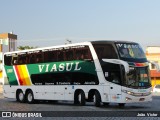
(26, 47)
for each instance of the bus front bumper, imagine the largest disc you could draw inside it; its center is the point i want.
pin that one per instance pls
(133, 99)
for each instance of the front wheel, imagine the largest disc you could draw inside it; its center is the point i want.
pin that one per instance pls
(121, 104)
(30, 97)
(106, 104)
(79, 98)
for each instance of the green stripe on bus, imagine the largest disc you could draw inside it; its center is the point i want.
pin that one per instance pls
(53, 67)
(61, 67)
(11, 75)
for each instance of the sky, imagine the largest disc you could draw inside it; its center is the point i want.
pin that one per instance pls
(52, 22)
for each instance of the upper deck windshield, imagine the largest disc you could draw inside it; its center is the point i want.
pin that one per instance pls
(130, 50)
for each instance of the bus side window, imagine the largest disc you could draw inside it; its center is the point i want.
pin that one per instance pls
(32, 58)
(39, 57)
(77, 55)
(100, 53)
(105, 51)
(80, 55)
(69, 55)
(109, 52)
(52, 56)
(27, 58)
(86, 54)
(8, 60)
(83, 54)
(60, 55)
(20, 59)
(45, 55)
(115, 77)
(14, 60)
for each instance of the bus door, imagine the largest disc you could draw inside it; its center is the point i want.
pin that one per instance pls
(63, 92)
(115, 88)
(61, 86)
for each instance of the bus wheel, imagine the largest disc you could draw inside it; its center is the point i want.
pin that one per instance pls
(79, 98)
(121, 104)
(105, 103)
(30, 97)
(20, 96)
(97, 99)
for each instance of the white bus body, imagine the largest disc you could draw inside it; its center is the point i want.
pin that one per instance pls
(20, 83)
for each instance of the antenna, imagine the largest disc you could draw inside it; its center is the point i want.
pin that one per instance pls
(68, 41)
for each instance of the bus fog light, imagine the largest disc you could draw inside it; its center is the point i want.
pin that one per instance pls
(127, 98)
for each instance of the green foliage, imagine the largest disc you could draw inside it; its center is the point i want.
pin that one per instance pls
(26, 47)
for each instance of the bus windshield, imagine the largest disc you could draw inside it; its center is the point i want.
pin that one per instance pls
(130, 50)
(138, 77)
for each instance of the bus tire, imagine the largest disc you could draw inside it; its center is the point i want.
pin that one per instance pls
(121, 104)
(97, 99)
(20, 96)
(30, 97)
(106, 104)
(79, 98)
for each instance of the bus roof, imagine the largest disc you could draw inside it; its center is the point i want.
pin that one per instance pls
(73, 44)
(51, 47)
(110, 41)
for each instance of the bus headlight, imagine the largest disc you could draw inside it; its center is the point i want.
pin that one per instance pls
(128, 92)
(127, 99)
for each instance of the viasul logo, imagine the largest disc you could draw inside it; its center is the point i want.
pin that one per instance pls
(59, 67)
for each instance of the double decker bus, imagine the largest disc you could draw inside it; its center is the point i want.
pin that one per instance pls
(97, 71)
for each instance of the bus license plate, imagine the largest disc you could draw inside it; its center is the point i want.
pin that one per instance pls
(141, 99)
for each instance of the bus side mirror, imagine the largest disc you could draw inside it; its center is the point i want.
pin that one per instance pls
(120, 62)
(156, 65)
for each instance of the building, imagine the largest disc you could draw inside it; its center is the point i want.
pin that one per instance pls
(153, 54)
(8, 43)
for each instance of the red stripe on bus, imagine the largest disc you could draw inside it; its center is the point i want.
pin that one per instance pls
(18, 75)
(21, 71)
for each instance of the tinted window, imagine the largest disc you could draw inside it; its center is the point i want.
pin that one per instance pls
(7, 59)
(69, 55)
(105, 51)
(49, 55)
(83, 54)
(127, 50)
(60, 55)
(64, 79)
